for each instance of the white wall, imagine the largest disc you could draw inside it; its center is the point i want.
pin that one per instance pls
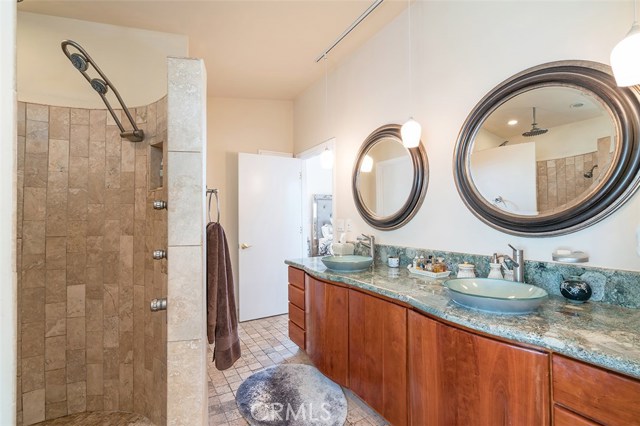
(570, 139)
(241, 125)
(507, 172)
(134, 60)
(462, 51)
(8, 120)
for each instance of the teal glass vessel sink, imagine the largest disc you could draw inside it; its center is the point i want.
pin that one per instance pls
(496, 296)
(349, 263)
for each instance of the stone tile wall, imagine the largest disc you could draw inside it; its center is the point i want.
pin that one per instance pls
(561, 182)
(187, 401)
(86, 338)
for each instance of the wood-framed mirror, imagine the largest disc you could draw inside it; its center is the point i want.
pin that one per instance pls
(551, 150)
(389, 181)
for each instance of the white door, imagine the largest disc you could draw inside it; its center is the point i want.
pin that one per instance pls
(269, 231)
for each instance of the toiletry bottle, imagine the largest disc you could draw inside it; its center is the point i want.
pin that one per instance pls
(415, 262)
(437, 266)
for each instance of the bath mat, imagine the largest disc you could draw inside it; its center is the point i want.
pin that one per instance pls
(291, 395)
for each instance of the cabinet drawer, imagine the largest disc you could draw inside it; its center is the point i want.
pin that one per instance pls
(296, 277)
(296, 334)
(562, 417)
(606, 397)
(296, 296)
(296, 315)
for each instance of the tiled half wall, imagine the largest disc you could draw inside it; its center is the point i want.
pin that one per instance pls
(86, 230)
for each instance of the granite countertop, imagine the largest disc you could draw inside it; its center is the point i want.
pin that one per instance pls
(594, 332)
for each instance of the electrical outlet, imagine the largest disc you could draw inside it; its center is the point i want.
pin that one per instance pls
(339, 225)
(349, 225)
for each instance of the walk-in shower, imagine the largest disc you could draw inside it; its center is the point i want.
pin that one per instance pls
(102, 85)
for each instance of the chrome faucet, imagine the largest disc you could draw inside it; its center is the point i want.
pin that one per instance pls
(518, 264)
(369, 241)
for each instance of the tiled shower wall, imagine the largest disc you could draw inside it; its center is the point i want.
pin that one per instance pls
(86, 230)
(562, 180)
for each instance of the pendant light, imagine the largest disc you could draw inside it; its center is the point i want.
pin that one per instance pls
(326, 158)
(411, 130)
(367, 164)
(625, 56)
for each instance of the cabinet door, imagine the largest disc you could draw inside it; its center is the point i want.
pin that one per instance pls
(458, 378)
(326, 322)
(562, 417)
(607, 397)
(378, 355)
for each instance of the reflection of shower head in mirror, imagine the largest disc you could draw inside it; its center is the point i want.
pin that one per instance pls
(535, 130)
(589, 174)
(503, 143)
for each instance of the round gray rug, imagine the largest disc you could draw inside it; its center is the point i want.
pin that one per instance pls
(291, 395)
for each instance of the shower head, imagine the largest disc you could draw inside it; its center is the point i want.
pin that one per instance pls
(589, 174)
(535, 130)
(79, 61)
(99, 86)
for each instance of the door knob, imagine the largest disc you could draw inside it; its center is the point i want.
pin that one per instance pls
(245, 246)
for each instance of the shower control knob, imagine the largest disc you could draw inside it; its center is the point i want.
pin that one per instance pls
(158, 305)
(159, 204)
(159, 254)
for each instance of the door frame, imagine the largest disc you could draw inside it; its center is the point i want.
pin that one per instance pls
(307, 154)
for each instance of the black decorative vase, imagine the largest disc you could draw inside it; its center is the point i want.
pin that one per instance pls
(575, 289)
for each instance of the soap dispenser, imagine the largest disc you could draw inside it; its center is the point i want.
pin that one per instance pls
(495, 268)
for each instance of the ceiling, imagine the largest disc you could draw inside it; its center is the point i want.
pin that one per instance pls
(555, 106)
(260, 49)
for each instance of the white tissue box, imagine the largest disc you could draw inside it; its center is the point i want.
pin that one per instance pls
(342, 249)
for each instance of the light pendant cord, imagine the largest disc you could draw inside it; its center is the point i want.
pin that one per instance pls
(410, 61)
(326, 97)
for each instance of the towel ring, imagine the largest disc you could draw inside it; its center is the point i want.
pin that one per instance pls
(215, 193)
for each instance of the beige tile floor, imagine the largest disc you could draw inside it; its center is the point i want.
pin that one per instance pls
(99, 419)
(264, 343)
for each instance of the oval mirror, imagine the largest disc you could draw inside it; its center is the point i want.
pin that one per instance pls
(389, 180)
(551, 150)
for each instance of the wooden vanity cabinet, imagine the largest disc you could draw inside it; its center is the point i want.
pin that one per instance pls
(296, 307)
(598, 396)
(459, 378)
(327, 328)
(378, 355)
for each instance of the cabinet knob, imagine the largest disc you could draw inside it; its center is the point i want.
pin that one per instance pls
(158, 305)
(159, 254)
(159, 204)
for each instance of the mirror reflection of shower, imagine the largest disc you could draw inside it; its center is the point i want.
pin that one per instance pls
(81, 61)
(589, 174)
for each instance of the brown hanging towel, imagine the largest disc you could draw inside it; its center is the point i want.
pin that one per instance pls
(222, 320)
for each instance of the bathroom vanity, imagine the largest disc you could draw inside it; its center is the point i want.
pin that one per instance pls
(415, 357)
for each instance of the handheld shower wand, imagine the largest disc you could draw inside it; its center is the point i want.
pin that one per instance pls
(81, 61)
